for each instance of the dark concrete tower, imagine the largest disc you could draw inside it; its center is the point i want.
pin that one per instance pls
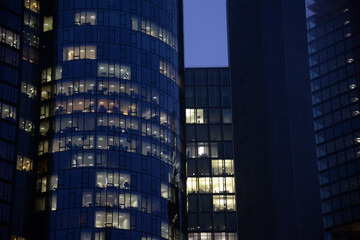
(277, 184)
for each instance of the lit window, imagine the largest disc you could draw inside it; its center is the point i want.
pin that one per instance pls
(112, 219)
(41, 184)
(85, 18)
(219, 202)
(229, 167)
(48, 23)
(164, 190)
(134, 24)
(164, 230)
(32, 5)
(204, 185)
(230, 186)
(81, 52)
(114, 70)
(9, 37)
(224, 203)
(104, 179)
(53, 182)
(100, 217)
(24, 164)
(53, 201)
(191, 185)
(195, 116)
(203, 149)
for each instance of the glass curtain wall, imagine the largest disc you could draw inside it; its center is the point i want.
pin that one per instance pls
(334, 37)
(211, 201)
(10, 53)
(109, 150)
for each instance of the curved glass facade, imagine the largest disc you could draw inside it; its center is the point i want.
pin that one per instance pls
(109, 153)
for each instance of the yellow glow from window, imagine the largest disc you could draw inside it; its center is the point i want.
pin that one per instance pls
(191, 185)
(195, 116)
(48, 23)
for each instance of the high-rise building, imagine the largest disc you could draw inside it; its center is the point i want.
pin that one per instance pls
(91, 101)
(277, 186)
(28, 118)
(19, 41)
(334, 38)
(109, 151)
(209, 155)
(10, 55)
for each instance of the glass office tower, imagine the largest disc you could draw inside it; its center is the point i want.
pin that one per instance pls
(209, 153)
(10, 55)
(28, 109)
(334, 38)
(277, 186)
(19, 42)
(110, 151)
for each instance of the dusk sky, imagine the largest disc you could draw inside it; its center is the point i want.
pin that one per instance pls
(205, 33)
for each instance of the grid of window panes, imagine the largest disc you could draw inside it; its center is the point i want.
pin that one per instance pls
(333, 35)
(109, 150)
(28, 118)
(10, 30)
(209, 155)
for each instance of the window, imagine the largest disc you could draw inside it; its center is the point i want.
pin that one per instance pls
(80, 52)
(54, 182)
(167, 70)
(204, 185)
(224, 203)
(31, 21)
(9, 37)
(49, 74)
(32, 5)
(215, 116)
(220, 167)
(26, 125)
(28, 89)
(190, 150)
(203, 149)
(87, 199)
(191, 185)
(48, 23)
(112, 219)
(196, 116)
(152, 29)
(24, 164)
(222, 185)
(7, 112)
(120, 180)
(227, 116)
(164, 190)
(53, 201)
(114, 70)
(85, 18)
(164, 230)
